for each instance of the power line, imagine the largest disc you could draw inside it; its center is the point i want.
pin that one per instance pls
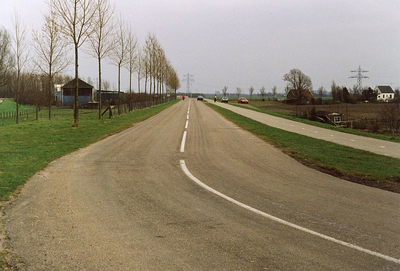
(189, 80)
(359, 77)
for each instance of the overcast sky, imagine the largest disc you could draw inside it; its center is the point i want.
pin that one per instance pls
(243, 43)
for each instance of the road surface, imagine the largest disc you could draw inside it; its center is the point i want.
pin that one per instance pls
(188, 190)
(373, 145)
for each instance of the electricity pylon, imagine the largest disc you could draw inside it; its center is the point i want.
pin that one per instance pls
(188, 79)
(359, 77)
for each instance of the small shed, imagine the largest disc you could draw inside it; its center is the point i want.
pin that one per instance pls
(384, 93)
(85, 93)
(329, 117)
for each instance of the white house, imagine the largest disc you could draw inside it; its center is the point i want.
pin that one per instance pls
(384, 93)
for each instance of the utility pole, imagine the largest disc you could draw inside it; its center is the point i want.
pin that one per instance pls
(188, 79)
(359, 76)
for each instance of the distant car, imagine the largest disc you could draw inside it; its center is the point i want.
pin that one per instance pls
(243, 100)
(224, 99)
(200, 98)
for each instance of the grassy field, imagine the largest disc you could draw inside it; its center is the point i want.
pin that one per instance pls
(8, 105)
(28, 147)
(350, 164)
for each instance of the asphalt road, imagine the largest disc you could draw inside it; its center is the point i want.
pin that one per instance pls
(373, 145)
(129, 202)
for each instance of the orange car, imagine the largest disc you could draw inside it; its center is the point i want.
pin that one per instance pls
(243, 100)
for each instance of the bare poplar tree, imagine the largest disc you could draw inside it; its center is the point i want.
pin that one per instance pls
(153, 54)
(146, 67)
(119, 55)
(274, 92)
(251, 90)
(225, 90)
(161, 66)
(6, 57)
(262, 92)
(21, 54)
(105, 85)
(51, 50)
(173, 80)
(149, 59)
(139, 67)
(321, 91)
(101, 39)
(75, 19)
(132, 59)
(238, 91)
(334, 91)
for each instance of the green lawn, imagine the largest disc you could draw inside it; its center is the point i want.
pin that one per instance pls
(348, 163)
(28, 147)
(8, 105)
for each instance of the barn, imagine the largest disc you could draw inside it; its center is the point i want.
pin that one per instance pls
(67, 94)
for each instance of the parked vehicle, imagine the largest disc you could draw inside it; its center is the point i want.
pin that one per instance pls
(243, 100)
(200, 98)
(224, 99)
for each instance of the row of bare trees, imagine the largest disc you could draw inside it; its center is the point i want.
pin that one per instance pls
(108, 38)
(263, 91)
(114, 40)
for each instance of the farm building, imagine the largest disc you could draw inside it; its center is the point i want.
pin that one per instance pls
(110, 96)
(294, 95)
(67, 94)
(384, 93)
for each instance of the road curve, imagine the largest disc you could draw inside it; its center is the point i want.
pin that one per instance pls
(373, 145)
(125, 204)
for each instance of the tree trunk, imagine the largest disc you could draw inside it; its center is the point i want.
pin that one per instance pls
(99, 90)
(119, 89)
(76, 101)
(17, 96)
(138, 83)
(50, 89)
(130, 91)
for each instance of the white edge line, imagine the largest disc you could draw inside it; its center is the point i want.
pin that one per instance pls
(284, 222)
(183, 141)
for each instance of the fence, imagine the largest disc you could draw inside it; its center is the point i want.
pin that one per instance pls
(9, 118)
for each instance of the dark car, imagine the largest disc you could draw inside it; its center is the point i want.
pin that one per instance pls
(243, 100)
(200, 98)
(224, 99)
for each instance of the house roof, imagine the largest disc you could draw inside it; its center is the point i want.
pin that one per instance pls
(295, 93)
(384, 89)
(81, 84)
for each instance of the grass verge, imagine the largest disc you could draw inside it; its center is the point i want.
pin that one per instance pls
(341, 161)
(29, 147)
